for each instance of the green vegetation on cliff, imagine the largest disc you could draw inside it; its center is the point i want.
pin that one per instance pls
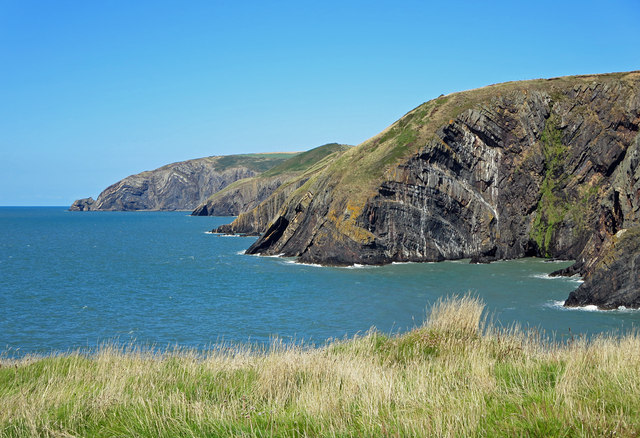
(453, 376)
(296, 164)
(255, 162)
(552, 206)
(305, 160)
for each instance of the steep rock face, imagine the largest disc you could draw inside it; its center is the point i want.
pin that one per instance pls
(545, 167)
(242, 196)
(256, 220)
(615, 280)
(180, 186)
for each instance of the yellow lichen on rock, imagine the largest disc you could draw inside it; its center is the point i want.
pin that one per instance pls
(347, 225)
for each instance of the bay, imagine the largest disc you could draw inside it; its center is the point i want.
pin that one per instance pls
(77, 279)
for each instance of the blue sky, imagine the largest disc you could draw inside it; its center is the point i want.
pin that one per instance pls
(93, 91)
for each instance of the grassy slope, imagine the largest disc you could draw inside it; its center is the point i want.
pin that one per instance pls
(295, 165)
(255, 162)
(449, 377)
(305, 160)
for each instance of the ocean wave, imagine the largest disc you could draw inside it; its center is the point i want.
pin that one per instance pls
(293, 262)
(359, 266)
(414, 263)
(590, 308)
(316, 265)
(544, 276)
(575, 278)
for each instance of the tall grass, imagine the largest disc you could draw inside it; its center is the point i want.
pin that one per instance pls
(456, 375)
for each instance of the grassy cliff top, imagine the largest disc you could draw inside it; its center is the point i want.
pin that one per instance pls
(452, 376)
(301, 164)
(305, 160)
(256, 162)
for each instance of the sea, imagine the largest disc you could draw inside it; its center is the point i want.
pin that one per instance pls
(79, 280)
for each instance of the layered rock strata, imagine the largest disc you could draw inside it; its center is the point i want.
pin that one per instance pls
(179, 186)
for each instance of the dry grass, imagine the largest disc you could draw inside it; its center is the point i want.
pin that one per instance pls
(454, 376)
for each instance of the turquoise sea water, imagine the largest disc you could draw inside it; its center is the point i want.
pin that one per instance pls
(70, 280)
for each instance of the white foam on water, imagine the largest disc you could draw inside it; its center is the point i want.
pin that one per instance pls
(574, 278)
(413, 263)
(261, 255)
(293, 262)
(544, 276)
(589, 308)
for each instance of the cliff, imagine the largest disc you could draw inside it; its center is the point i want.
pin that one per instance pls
(246, 194)
(180, 186)
(536, 168)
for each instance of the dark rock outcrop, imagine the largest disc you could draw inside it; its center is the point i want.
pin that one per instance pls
(84, 204)
(615, 280)
(544, 167)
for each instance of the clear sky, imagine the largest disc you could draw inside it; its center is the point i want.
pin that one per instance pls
(92, 91)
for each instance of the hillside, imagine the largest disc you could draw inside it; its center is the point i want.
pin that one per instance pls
(182, 185)
(248, 193)
(544, 167)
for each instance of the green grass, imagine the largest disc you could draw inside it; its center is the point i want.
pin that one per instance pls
(454, 376)
(305, 160)
(255, 162)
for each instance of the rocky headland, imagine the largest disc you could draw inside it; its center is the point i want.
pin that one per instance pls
(180, 186)
(543, 168)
